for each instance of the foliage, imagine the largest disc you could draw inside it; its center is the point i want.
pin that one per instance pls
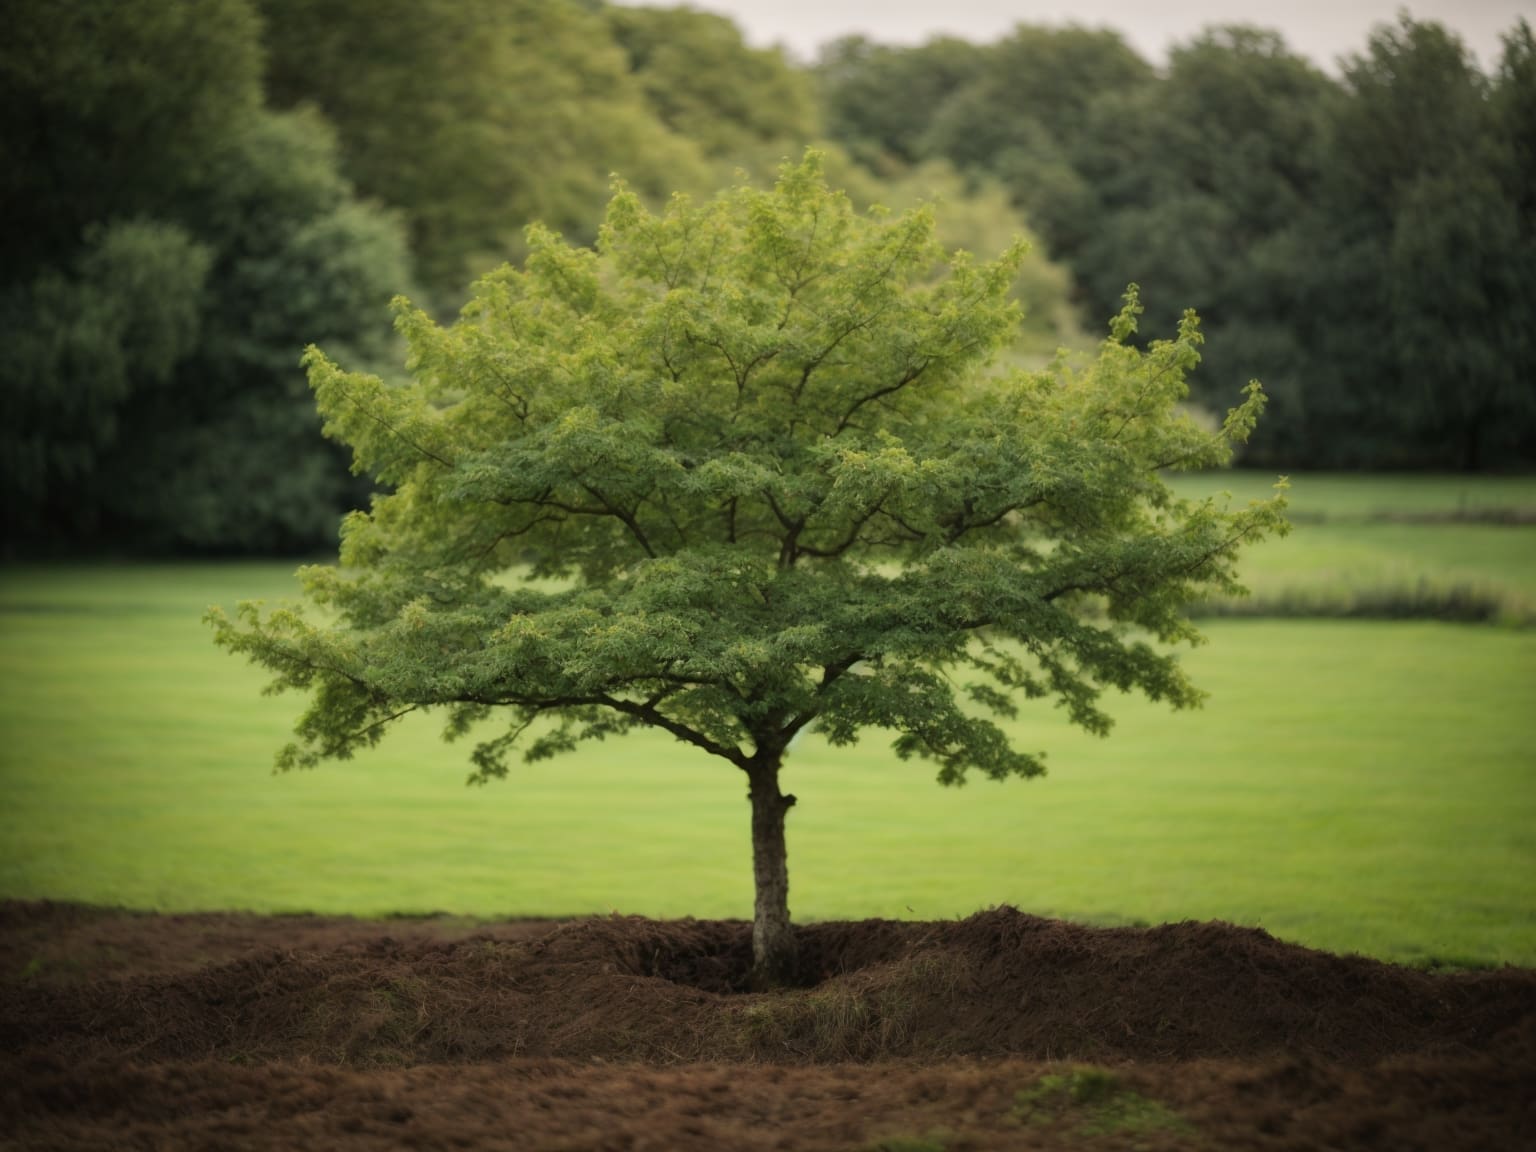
(177, 240)
(77, 341)
(879, 99)
(1200, 179)
(229, 457)
(1418, 236)
(751, 437)
(706, 84)
(1027, 118)
(976, 215)
(1364, 245)
(105, 108)
(474, 117)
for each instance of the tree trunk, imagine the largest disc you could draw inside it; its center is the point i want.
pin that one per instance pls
(773, 940)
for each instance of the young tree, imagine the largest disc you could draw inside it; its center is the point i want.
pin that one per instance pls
(751, 439)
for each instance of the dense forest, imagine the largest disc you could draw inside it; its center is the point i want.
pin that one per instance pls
(191, 192)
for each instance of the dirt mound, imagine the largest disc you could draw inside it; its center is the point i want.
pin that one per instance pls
(131, 1031)
(1000, 984)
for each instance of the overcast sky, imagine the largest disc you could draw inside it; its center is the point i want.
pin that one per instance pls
(1321, 29)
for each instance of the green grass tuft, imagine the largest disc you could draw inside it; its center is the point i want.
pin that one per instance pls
(931, 1143)
(1094, 1102)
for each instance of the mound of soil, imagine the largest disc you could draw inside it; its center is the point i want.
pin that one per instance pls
(999, 984)
(215, 1031)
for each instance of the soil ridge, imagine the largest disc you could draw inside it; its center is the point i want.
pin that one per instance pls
(1000, 984)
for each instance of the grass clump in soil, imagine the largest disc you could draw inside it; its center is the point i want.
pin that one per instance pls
(1095, 1102)
(931, 1143)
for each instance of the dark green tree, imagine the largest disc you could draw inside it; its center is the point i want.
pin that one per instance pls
(752, 440)
(226, 455)
(76, 343)
(170, 243)
(880, 100)
(1418, 295)
(107, 108)
(1201, 181)
(1027, 118)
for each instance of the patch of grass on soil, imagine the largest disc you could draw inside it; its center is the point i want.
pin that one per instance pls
(1095, 1102)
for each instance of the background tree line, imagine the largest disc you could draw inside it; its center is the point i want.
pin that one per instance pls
(193, 190)
(1365, 244)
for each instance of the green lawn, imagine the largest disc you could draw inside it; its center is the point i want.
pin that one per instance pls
(1362, 496)
(1356, 786)
(1357, 549)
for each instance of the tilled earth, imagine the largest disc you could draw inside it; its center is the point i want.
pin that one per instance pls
(120, 1030)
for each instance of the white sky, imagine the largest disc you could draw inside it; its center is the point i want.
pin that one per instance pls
(1320, 29)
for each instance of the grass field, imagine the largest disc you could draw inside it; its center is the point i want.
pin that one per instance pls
(1374, 496)
(1352, 785)
(1402, 546)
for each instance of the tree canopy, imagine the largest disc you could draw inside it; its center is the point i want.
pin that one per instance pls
(737, 470)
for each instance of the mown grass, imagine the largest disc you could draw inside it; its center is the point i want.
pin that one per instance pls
(1415, 498)
(1355, 786)
(1406, 547)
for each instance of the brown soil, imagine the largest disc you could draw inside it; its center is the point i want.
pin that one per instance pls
(223, 1031)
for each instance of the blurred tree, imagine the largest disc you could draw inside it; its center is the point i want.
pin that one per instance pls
(879, 100)
(475, 118)
(705, 83)
(107, 108)
(1419, 292)
(752, 439)
(75, 343)
(169, 245)
(1026, 117)
(1200, 181)
(1514, 109)
(229, 455)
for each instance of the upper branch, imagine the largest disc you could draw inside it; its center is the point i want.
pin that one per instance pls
(395, 431)
(908, 377)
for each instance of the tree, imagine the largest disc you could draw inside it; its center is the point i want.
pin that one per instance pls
(474, 118)
(752, 438)
(1028, 116)
(879, 99)
(706, 83)
(226, 455)
(106, 106)
(169, 243)
(1200, 182)
(1417, 236)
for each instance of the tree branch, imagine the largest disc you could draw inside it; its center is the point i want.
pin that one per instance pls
(910, 375)
(394, 431)
(853, 532)
(625, 518)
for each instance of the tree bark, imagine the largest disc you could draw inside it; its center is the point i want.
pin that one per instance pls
(773, 940)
